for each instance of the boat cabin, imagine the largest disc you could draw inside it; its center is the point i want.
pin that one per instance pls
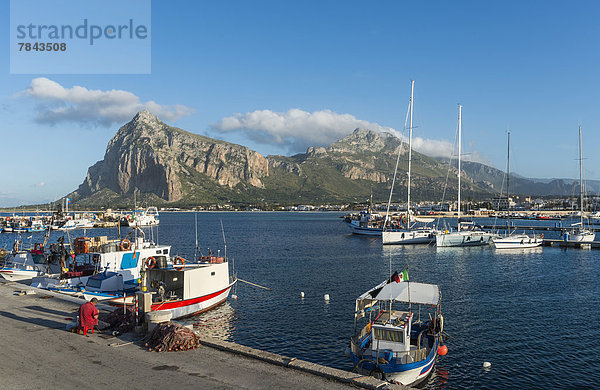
(185, 282)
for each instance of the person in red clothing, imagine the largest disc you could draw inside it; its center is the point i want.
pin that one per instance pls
(88, 315)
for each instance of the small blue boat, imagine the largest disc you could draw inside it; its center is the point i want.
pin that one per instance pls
(392, 344)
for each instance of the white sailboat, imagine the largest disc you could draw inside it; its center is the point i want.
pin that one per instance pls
(514, 240)
(465, 235)
(411, 233)
(579, 233)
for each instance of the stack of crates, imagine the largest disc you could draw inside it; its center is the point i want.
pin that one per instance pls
(97, 243)
(82, 245)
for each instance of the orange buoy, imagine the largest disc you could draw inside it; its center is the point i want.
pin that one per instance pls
(442, 350)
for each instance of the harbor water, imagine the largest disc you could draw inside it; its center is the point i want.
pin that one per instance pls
(533, 314)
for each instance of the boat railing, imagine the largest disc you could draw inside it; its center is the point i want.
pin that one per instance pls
(412, 356)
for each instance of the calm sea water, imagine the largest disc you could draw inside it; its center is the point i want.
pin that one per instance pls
(534, 314)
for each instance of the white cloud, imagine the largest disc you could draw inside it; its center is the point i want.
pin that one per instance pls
(40, 184)
(295, 129)
(81, 105)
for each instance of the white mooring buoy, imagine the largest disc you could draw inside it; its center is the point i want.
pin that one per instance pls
(233, 296)
(301, 294)
(487, 364)
(326, 297)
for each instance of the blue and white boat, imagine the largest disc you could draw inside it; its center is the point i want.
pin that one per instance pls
(392, 344)
(104, 265)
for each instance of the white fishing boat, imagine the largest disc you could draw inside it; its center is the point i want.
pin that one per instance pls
(466, 234)
(578, 232)
(188, 289)
(390, 343)
(144, 218)
(102, 265)
(514, 240)
(413, 231)
(79, 223)
(367, 222)
(24, 265)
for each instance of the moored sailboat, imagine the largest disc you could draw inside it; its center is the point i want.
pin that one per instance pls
(578, 232)
(514, 240)
(410, 233)
(466, 234)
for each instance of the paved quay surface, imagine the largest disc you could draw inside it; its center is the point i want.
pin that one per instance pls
(38, 353)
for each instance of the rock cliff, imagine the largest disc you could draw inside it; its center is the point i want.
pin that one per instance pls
(152, 157)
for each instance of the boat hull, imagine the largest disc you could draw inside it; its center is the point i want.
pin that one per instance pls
(18, 275)
(516, 242)
(463, 238)
(581, 237)
(399, 237)
(366, 231)
(189, 307)
(405, 374)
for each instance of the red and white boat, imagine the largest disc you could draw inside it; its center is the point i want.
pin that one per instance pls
(188, 289)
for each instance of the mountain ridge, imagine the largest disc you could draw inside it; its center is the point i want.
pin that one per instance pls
(169, 165)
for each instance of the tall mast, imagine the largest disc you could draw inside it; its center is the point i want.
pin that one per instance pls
(459, 153)
(580, 179)
(508, 184)
(387, 212)
(412, 89)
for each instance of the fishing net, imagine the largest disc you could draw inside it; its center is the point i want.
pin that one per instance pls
(120, 320)
(168, 336)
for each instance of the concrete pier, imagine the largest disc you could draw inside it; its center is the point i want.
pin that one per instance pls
(37, 352)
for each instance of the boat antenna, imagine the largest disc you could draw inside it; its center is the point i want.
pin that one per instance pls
(224, 240)
(196, 229)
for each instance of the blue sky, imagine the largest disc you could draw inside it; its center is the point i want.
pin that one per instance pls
(293, 74)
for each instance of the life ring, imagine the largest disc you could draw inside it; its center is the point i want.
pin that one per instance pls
(125, 244)
(178, 263)
(16, 246)
(150, 262)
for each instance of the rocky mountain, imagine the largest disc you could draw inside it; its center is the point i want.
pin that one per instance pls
(168, 165)
(153, 158)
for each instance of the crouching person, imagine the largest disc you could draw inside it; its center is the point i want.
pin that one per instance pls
(88, 316)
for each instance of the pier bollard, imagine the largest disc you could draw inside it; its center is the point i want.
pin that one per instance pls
(145, 306)
(156, 317)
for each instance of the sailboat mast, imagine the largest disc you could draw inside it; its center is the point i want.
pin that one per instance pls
(508, 184)
(459, 153)
(580, 179)
(412, 89)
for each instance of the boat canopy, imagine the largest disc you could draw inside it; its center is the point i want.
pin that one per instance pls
(407, 292)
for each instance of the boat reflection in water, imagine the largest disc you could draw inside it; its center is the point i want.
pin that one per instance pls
(218, 322)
